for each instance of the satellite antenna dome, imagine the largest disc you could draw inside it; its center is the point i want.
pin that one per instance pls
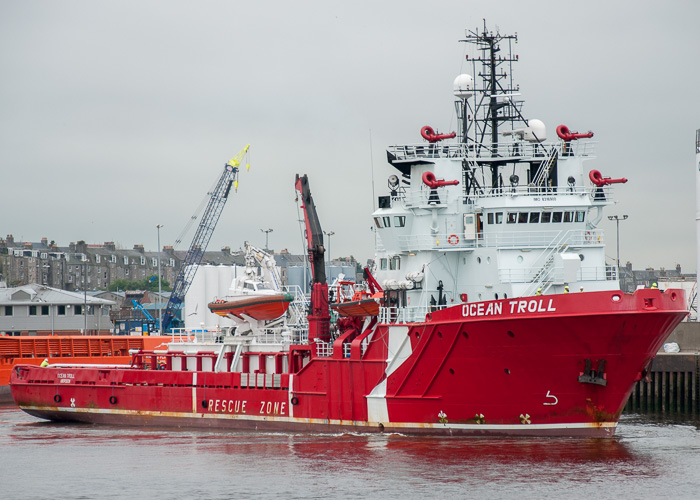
(535, 131)
(463, 86)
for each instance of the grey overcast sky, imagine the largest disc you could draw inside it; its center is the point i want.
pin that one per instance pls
(116, 116)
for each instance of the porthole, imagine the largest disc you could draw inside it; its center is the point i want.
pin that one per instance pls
(511, 334)
(495, 295)
(488, 260)
(452, 371)
(478, 260)
(520, 259)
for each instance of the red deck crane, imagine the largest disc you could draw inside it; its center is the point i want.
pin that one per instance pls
(319, 315)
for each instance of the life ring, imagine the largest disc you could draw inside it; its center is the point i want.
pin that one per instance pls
(294, 400)
(57, 398)
(113, 400)
(588, 236)
(453, 239)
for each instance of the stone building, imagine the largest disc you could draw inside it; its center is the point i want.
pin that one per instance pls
(80, 266)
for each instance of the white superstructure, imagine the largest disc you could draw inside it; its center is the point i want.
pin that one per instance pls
(497, 212)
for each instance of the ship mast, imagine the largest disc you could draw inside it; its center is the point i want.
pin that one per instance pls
(489, 113)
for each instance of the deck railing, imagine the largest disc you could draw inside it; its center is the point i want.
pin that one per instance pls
(503, 151)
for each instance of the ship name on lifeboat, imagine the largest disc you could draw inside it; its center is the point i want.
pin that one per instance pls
(516, 307)
(239, 406)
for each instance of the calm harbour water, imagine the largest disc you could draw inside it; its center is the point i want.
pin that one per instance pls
(46, 460)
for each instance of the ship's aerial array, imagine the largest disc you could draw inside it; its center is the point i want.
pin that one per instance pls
(489, 310)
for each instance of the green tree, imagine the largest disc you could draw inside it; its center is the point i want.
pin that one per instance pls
(150, 284)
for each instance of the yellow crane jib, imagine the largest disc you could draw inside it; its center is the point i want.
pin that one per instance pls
(235, 162)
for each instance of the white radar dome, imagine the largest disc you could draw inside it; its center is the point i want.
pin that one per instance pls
(463, 86)
(536, 131)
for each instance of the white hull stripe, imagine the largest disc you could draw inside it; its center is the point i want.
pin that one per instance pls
(319, 421)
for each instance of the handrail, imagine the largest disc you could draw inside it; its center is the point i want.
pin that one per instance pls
(496, 239)
(519, 150)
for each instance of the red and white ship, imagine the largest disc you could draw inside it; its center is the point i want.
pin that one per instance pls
(481, 235)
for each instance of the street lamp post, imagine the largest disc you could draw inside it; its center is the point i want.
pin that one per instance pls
(617, 220)
(160, 291)
(85, 296)
(267, 234)
(329, 234)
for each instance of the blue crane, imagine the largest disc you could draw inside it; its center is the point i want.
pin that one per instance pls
(139, 306)
(210, 217)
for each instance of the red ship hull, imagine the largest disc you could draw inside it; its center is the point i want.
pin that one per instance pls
(75, 349)
(550, 365)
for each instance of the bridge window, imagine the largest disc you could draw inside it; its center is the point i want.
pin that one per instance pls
(382, 264)
(395, 263)
(546, 217)
(568, 216)
(534, 217)
(522, 218)
(499, 217)
(512, 217)
(489, 217)
(556, 216)
(580, 216)
(387, 221)
(399, 221)
(378, 222)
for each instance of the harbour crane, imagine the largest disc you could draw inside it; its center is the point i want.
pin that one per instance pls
(207, 223)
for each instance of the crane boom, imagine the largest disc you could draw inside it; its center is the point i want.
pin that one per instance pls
(319, 315)
(210, 217)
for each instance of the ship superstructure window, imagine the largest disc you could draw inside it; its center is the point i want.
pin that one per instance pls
(399, 220)
(383, 264)
(522, 218)
(378, 222)
(568, 216)
(512, 217)
(499, 217)
(395, 263)
(580, 216)
(489, 217)
(546, 217)
(556, 216)
(534, 217)
(387, 221)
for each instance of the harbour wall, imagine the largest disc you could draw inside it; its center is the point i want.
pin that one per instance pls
(673, 385)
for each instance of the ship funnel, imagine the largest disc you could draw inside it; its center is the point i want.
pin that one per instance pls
(463, 86)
